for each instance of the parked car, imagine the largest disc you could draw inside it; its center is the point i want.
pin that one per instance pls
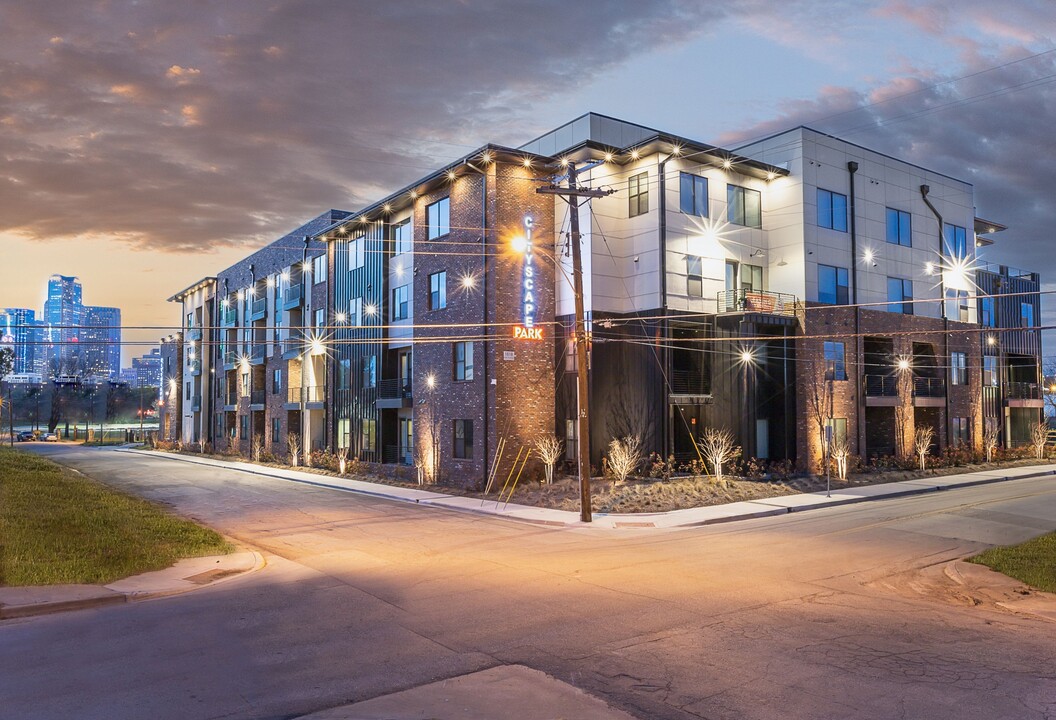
(26, 435)
(50, 437)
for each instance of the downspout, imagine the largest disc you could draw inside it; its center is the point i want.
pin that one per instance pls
(859, 429)
(665, 326)
(924, 190)
(484, 311)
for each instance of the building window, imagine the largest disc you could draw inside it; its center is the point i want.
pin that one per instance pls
(839, 429)
(694, 277)
(276, 430)
(752, 278)
(899, 291)
(832, 285)
(319, 269)
(276, 382)
(990, 371)
(835, 360)
(571, 356)
(401, 237)
(245, 385)
(463, 360)
(986, 312)
(355, 312)
(399, 303)
(571, 440)
(744, 206)
(956, 239)
(693, 197)
(320, 319)
(960, 305)
(369, 436)
(832, 210)
(343, 432)
(1026, 314)
(959, 430)
(243, 423)
(356, 248)
(438, 290)
(438, 218)
(370, 371)
(958, 368)
(463, 440)
(899, 228)
(638, 195)
(344, 373)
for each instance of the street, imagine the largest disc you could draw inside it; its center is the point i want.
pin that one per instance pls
(778, 617)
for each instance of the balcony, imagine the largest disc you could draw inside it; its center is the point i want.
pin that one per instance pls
(292, 346)
(756, 301)
(256, 397)
(257, 352)
(194, 333)
(229, 314)
(394, 393)
(881, 386)
(194, 367)
(691, 385)
(1023, 394)
(929, 392)
(293, 296)
(258, 308)
(307, 394)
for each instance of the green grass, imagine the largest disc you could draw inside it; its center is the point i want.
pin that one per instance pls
(57, 526)
(1032, 562)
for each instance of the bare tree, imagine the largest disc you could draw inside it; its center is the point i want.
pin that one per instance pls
(1039, 436)
(922, 443)
(990, 435)
(814, 392)
(258, 447)
(293, 444)
(342, 460)
(718, 447)
(625, 456)
(841, 451)
(550, 450)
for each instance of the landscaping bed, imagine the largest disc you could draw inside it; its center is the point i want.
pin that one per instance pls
(1032, 562)
(58, 526)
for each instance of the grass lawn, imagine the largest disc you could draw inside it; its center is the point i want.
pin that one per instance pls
(57, 526)
(1032, 562)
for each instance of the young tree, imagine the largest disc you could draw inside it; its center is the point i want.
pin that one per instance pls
(1039, 436)
(342, 460)
(815, 394)
(841, 451)
(258, 447)
(718, 447)
(922, 443)
(990, 435)
(549, 449)
(293, 444)
(625, 456)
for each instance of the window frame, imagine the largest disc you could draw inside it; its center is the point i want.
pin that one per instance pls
(838, 359)
(899, 216)
(462, 444)
(958, 367)
(694, 280)
(1026, 318)
(905, 304)
(837, 273)
(638, 194)
(357, 252)
(401, 303)
(737, 197)
(276, 381)
(829, 220)
(462, 361)
(319, 271)
(439, 226)
(696, 184)
(955, 240)
(438, 290)
(402, 245)
(368, 372)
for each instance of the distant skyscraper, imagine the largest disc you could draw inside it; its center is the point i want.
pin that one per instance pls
(19, 330)
(63, 313)
(100, 342)
(149, 369)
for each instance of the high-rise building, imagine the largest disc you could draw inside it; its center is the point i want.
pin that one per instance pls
(100, 342)
(149, 369)
(63, 313)
(17, 331)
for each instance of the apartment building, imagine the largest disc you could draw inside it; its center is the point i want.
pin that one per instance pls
(797, 288)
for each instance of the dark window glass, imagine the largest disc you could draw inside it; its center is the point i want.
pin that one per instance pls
(832, 210)
(400, 303)
(401, 237)
(752, 278)
(693, 194)
(956, 239)
(694, 277)
(276, 430)
(438, 218)
(743, 206)
(986, 312)
(958, 368)
(638, 194)
(438, 290)
(276, 381)
(832, 285)
(899, 228)
(899, 291)
(370, 374)
(463, 439)
(1026, 314)
(835, 360)
(462, 356)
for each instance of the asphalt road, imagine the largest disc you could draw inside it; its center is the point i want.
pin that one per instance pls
(786, 617)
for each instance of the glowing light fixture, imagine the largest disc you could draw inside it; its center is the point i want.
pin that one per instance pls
(387, 208)
(468, 282)
(430, 381)
(727, 164)
(340, 317)
(527, 162)
(608, 157)
(486, 157)
(771, 175)
(635, 154)
(370, 309)
(903, 364)
(520, 243)
(991, 340)
(564, 162)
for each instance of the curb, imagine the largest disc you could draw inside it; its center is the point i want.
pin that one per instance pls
(10, 612)
(618, 521)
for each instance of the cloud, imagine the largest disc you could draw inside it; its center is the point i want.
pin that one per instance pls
(187, 126)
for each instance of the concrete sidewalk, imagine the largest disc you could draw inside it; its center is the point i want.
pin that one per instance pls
(185, 575)
(690, 517)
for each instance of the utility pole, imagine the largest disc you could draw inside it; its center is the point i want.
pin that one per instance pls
(571, 195)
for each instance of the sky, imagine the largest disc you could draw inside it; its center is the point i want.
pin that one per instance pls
(147, 144)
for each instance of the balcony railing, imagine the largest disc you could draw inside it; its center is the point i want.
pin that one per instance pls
(307, 394)
(398, 454)
(194, 333)
(688, 382)
(292, 344)
(257, 352)
(256, 397)
(394, 388)
(291, 296)
(232, 398)
(756, 301)
(196, 403)
(881, 386)
(929, 387)
(259, 305)
(229, 314)
(1022, 391)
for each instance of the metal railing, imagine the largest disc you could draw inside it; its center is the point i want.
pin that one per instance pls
(306, 393)
(258, 305)
(394, 388)
(256, 397)
(756, 301)
(257, 352)
(689, 382)
(232, 398)
(1022, 391)
(229, 314)
(397, 454)
(881, 386)
(929, 387)
(292, 295)
(194, 333)
(293, 343)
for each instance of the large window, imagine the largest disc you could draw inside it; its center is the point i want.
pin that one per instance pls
(693, 195)
(243, 427)
(369, 371)
(276, 430)
(462, 447)
(744, 206)
(989, 371)
(958, 368)
(369, 435)
(839, 429)
(355, 312)
(438, 218)
(956, 239)
(276, 382)
(320, 319)
(899, 293)
(832, 210)
(1026, 314)
(438, 290)
(835, 360)
(959, 430)
(986, 312)
(400, 303)
(344, 373)
(462, 357)
(355, 252)
(752, 278)
(402, 238)
(694, 277)
(638, 195)
(832, 285)
(899, 227)
(319, 269)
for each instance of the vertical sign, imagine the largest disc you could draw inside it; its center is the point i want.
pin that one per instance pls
(528, 331)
